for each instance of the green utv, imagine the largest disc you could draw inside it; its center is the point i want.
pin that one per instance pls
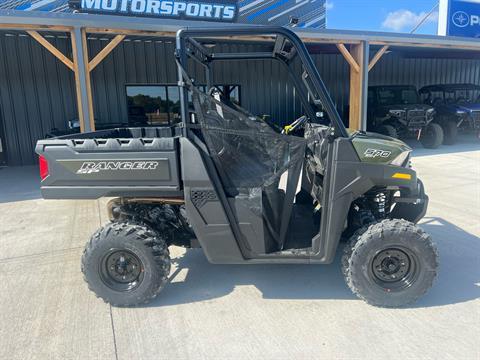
(244, 190)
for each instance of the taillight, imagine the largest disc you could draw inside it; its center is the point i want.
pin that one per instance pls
(43, 167)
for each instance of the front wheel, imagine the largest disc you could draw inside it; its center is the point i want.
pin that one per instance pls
(450, 132)
(126, 263)
(390, 263)
(432, 136)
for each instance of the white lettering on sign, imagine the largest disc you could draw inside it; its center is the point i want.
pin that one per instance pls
(224, 12)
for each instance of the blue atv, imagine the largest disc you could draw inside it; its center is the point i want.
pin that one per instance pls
(457, 106)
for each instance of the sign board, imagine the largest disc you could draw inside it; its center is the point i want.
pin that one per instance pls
(300, 13)
(179, 9)
(460, 18)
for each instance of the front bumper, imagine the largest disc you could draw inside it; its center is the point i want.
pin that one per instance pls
(412, 206)
(475, 120)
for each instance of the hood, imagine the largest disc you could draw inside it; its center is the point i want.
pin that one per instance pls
(468, 107)
(377, 148)
(406, 107)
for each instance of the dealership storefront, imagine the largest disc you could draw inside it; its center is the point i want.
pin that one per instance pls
(104, 70)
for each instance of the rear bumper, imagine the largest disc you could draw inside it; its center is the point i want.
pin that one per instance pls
(411, 207)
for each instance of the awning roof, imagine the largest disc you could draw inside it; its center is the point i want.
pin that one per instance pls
(155, 26)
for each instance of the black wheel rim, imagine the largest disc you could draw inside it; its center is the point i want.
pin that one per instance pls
(121, 270)
(394, 269)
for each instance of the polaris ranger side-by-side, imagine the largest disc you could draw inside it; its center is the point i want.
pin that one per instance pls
(396, 111)
(244, 190)
(457, 106)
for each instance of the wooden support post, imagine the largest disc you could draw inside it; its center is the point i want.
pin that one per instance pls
(105, 51)
(49, 46)
(356, 87)
(82, 80)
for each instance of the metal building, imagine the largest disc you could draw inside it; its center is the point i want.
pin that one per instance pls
(56, 68)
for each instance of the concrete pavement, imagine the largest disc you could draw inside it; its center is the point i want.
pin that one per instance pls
(232, 312)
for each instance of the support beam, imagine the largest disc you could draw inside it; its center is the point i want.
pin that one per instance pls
(82, 80)
(358, 82)
(49, 46)
(105, 51)
(350, 59)
(364, 73)
(24, 27)
(377, 57)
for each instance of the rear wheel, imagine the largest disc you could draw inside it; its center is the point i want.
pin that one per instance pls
(432, 136)
(390, 263)
(126, 263)
(450, 132)
(388, 130)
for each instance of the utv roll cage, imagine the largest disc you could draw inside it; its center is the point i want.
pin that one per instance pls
(287, 47)
(246, 207)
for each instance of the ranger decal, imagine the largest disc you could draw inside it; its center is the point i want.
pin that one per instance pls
(89, 167)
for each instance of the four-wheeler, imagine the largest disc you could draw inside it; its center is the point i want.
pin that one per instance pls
(457, 106)
(396, 111)
(243, 190)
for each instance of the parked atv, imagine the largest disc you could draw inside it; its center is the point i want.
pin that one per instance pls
(396, 111)
(457, 106)
(244, 191)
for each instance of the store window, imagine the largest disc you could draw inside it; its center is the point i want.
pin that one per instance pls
(157, 105)
(153, 105)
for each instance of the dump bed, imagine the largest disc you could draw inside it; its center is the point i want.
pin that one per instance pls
(127, 162)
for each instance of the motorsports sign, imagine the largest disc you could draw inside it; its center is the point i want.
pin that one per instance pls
(464, 18)
(209, 11)
(299, 13)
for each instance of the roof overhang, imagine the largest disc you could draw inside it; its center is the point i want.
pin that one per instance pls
(21, 20)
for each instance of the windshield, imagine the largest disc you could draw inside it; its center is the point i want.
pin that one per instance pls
(394, 96)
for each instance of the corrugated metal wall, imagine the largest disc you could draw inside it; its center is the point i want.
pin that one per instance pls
(392, 69)
(37, 92)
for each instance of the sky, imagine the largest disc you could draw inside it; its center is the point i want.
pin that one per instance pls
(381, 15)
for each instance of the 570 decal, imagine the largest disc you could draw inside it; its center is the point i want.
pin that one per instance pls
(373, 153)
(90, 167)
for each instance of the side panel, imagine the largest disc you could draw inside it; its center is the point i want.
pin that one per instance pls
(205, 210)
(347, 179)
(89, 169)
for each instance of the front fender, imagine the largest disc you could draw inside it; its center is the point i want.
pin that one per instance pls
(411, 205)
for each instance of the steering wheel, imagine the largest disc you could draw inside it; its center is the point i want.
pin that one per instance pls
(297, 124)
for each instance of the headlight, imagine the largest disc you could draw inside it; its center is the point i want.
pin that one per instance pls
(430, 113)
(402, 159)
(397, 113)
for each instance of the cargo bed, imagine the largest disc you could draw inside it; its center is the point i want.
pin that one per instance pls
(126, 162)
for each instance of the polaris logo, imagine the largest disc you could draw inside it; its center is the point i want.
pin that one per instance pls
(225, 11)
(374, 153)
(91, 167)
(462, 19)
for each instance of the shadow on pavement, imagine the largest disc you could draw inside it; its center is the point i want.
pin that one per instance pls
(465, 143)
(19, 183)
(459, 273)
(457, 281)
